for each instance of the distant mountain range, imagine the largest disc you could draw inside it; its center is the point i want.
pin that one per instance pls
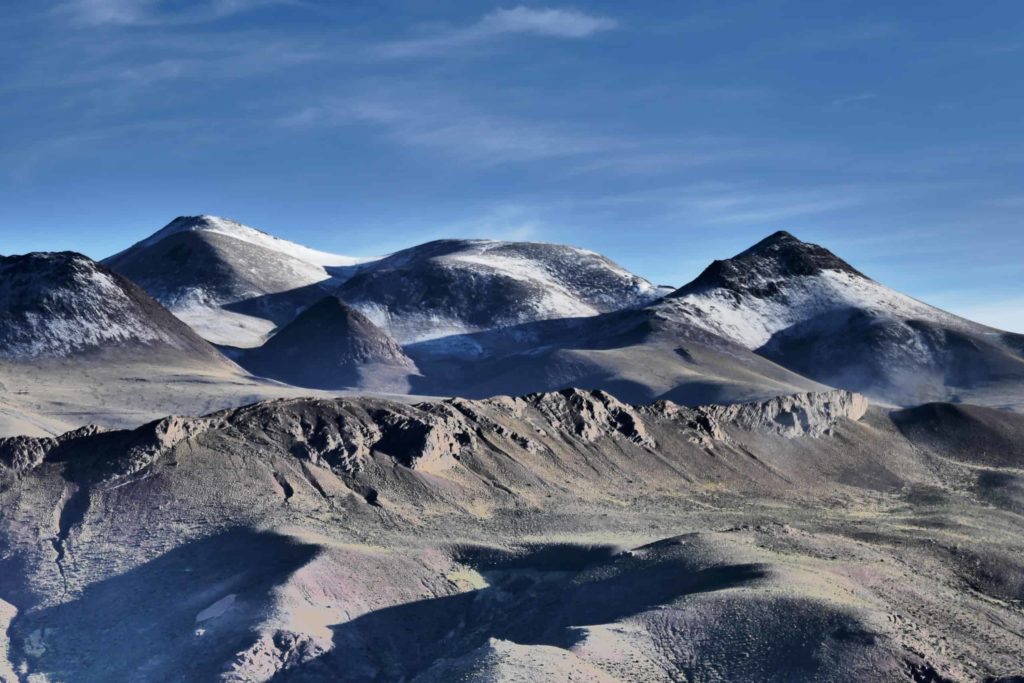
(235, 284)
(478, 318)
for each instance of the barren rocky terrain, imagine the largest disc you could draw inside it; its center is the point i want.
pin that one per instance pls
(492, 461)
(552, 537)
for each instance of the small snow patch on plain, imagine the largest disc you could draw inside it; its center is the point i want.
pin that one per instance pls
(217, 609)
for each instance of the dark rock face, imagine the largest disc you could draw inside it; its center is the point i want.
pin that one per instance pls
(61, 304)
(327, 346)
(758, 269)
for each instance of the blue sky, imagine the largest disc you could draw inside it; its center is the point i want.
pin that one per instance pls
(663, 134)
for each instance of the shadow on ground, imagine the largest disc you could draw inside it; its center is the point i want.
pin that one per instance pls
(142, 625)
(541, 598)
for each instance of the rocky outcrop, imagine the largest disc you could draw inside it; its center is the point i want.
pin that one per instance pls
(344, 434)
(810, 414)
(590, 415)
(21, 453)
(150, 442)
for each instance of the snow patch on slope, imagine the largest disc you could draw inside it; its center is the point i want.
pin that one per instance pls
(550, 281)
(557, 301)
(238, 231)
(225, 328)
(751, 320)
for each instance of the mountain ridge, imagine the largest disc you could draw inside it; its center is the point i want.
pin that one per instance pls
(462, 306)
(359, 539)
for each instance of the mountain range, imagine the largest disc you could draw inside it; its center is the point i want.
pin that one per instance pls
(479, 318)
(236, 284)
(255, 316)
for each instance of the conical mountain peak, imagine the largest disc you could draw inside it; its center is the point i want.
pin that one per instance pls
(778, 257)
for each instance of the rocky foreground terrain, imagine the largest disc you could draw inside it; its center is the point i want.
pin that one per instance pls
(558, 536)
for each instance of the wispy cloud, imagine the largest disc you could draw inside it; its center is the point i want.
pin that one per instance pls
(449, 126)
(504, 221)
(130, 61)
(417, 117)
(757, 208)
(546, 22)
(21, 162)
(1009, 202)
(848, 101)
(156, 12)
(847, 37)
(722, 203)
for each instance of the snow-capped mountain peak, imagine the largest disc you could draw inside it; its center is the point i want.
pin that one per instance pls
(233, 284)
(238, 231)
(451, 287)
(759, 269)
(782, 281)
(803, 307)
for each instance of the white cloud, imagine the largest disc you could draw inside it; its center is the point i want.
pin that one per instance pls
(847, 101)
(415, 116)
(416, 119)
(721, 203)
(547, 22)
(155, 12)
(107, 11)
(504, 222)
(543, 22)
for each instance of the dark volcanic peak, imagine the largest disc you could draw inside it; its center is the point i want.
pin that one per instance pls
(804, 308)
(454, 286)
(327, 346)
(757, 270)
(59, 304)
